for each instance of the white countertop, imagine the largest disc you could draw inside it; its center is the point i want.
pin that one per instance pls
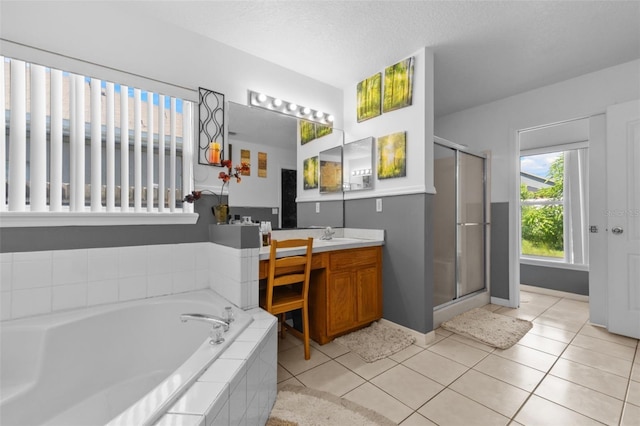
(375, 238)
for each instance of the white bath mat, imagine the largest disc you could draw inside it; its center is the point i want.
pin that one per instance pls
(499, 331)
(376, 341)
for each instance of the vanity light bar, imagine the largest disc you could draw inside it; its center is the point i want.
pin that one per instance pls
(260, 100)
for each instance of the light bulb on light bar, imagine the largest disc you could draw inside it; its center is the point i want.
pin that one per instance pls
(281, 106)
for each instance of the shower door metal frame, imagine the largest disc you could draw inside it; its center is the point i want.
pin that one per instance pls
(457, 148)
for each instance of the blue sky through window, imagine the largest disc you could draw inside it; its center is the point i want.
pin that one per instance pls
(538, 165)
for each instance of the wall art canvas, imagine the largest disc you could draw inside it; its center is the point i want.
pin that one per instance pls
(211, 136)
(245, 157)
(310, 171)
(262, 164)
(322, 130)
(369, 92)
(398, 85)
(307, 131)
(392, 155)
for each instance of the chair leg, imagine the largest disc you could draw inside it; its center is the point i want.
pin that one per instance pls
(282, 327)
(305, 331)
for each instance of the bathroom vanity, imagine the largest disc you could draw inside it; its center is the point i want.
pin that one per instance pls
(345, 291)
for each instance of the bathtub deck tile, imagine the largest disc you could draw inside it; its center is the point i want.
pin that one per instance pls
(181, 420)
(252, 334)
(225, 371)
(203, 398)
(222, 418)
(239, 350)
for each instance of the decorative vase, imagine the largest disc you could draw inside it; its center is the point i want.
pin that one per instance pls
(221, 212)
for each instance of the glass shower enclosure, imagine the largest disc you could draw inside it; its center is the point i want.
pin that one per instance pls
(460, 224)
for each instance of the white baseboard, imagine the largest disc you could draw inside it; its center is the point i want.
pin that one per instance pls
(556, 293)
(422, 339)
(499, 301)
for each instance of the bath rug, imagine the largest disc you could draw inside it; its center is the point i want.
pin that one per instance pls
(299, 405)
(376, 341)
(499, 331)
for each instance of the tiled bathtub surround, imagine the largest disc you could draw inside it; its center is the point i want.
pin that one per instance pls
(239, 388)
(34, 283)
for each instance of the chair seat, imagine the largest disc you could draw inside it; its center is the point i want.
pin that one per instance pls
(285, 299)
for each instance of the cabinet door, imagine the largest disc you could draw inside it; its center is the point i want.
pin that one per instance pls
(368, 294)
(341, 302)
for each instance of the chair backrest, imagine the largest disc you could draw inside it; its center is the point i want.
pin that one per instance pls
(285, 269)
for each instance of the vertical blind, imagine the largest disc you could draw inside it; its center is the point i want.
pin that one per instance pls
(75, 143)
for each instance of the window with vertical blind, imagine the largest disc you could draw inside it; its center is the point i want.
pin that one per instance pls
(79, 147)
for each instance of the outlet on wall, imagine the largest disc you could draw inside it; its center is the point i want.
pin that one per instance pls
(317, 207)
(378, 204)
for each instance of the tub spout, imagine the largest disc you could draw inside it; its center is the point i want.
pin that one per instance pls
(211, 319)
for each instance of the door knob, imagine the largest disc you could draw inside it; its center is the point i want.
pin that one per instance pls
(617, 230)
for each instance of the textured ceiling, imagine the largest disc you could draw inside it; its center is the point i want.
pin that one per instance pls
(484, 50)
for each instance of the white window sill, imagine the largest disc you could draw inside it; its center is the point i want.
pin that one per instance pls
(552, 264)
(41, 219)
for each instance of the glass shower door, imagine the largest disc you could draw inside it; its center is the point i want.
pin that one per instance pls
(444, 225)
(471, 225)
(459, 224)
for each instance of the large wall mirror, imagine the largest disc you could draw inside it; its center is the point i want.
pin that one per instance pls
(331, 170)
(358, 165)
(269, 141)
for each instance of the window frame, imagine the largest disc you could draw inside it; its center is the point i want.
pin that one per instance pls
(566, 262)
(48, 59)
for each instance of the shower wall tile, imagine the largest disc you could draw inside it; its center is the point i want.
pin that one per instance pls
(6, 275)
(70, 267)
(31, 270)
(32, 301)
(132, 261)
(5, 305)
(102, 264)
(69, 296)
(132, 288)
(160, 259)
(69, 279)
(102, 292)
(159, 284)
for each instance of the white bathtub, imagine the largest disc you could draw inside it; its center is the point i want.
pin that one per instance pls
(114, 363)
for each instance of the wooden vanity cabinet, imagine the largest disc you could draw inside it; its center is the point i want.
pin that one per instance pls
(347, 294)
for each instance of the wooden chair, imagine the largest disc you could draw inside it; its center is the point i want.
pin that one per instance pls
(288, 285)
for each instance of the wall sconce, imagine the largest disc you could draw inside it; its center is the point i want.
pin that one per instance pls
(270, 103)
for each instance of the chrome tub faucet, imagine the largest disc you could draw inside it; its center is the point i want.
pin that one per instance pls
(216, 323)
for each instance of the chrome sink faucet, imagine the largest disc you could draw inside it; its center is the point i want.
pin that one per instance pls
(327, 234)
(216, 323)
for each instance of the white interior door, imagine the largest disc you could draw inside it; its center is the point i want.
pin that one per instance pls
(623, 211)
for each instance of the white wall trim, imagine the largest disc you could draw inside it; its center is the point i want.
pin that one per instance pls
(556, 293)
(501, 302)
(422, 340)
(41, 219)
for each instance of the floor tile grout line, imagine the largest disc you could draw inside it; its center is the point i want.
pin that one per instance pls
(626, 393)
(467, 369)
(547, 374)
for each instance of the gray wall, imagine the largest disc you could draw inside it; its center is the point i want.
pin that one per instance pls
(568, 280)
(331, 214)
(407, 264)
(80, 237)
(499, 255)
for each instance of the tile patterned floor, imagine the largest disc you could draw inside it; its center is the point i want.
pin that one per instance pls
(563, 372)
